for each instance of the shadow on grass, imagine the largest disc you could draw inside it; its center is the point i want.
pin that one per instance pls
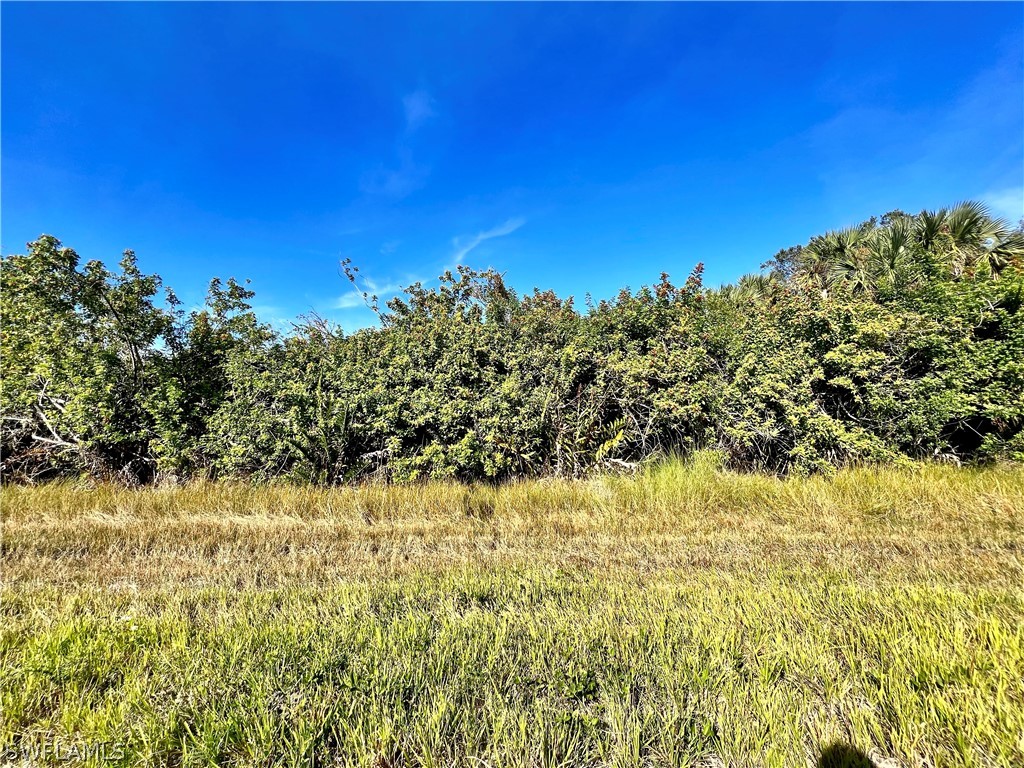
(841, 755)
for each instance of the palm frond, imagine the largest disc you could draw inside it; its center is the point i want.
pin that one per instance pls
(1005, 251)
(930, 226)
(969, 224)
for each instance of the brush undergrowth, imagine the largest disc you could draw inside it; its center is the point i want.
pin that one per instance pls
(685, 616)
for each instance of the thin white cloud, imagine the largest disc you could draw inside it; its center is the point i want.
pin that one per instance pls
(874, 157)
(398, 182)
(409, 175)
(273, 316)
(463, 246)
(382, 289)
(354, 298)
(349, 300)
(419, 107)
(1006, 203)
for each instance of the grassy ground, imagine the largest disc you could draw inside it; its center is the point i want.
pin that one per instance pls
(683, 617)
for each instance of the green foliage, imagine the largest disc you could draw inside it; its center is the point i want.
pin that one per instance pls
(79, 359)
(901, 337)
(202, 351)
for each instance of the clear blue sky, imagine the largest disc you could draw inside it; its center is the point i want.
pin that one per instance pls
(573, 146)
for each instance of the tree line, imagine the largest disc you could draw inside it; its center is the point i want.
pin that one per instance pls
(899, 339)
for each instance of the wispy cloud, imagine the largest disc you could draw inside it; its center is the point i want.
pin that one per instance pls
(355, 298)
(1006, 203)
(419, 107)
(874, 156)
(463, 245)
(349, 300)
(409, 175)
(397, 182)
(273, 315)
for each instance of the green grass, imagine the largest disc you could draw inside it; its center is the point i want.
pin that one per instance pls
(684, 617)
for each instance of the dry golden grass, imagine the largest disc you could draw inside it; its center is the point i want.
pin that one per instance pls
(931, 523)
(683, 617)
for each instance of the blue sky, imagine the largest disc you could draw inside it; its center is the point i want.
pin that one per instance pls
(577, 147)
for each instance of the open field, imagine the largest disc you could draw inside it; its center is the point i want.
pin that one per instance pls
(683, 617)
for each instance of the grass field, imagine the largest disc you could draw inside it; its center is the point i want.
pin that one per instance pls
(685, 616)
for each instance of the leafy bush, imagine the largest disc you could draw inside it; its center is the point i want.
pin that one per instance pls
(901, 338)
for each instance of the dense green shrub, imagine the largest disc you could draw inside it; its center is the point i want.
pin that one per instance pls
(79, 358)
(896, 339)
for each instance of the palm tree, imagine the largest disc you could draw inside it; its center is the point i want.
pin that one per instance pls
(965, 240)
(892, 253)
(751, 287)
(930, 227)
(852, 273)
(1005, 250)
(831, 259)
(971, 239)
